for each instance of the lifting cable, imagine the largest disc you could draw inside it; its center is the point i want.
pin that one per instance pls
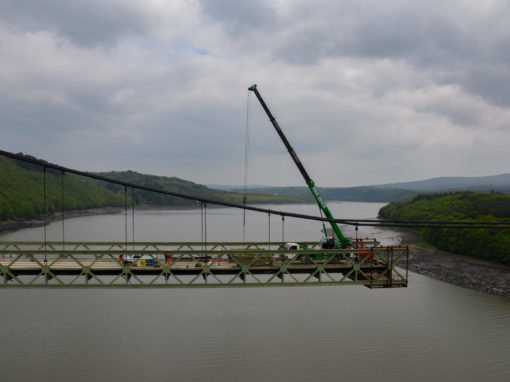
(246, 150)
(203, 225)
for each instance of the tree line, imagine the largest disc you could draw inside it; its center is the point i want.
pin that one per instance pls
(486, 244)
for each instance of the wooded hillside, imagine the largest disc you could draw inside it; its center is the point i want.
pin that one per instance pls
(22, 191)
(493, 245)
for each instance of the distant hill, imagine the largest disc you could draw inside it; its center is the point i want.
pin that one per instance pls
(499, 183)
(355, 194)
(396, 191)
(226, 187)
(186, 187)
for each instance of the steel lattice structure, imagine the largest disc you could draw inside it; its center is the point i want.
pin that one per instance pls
(196, 264)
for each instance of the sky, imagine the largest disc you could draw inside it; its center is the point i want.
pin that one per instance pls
(367, 92)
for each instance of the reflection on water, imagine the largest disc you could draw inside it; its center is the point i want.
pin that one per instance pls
(431, 330)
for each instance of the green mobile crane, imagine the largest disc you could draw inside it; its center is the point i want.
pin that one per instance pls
(343, 242)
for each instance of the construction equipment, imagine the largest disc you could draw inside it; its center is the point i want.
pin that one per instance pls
(327, 242)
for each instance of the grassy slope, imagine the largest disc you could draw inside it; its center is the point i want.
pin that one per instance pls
(493, 245)
(21, 191)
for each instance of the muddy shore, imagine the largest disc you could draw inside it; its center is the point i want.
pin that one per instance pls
(455, 269)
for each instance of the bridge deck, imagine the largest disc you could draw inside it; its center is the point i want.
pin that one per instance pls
(36, 264)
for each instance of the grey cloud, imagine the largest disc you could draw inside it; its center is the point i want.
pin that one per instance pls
(414, 31)
(454, 43)
(241, 17)
(91, 22)
(490, 82)
(365, 93)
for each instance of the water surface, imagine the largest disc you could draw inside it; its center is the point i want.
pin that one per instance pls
(429, 331)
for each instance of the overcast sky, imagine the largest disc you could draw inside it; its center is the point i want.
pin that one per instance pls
(368, 92)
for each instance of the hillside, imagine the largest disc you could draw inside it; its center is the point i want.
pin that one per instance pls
(354, 194)
(500, 183)
(492, 245)
(182, 186)
(390, 192)
(22, 191)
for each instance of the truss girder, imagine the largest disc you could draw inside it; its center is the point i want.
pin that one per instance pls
(196, 264)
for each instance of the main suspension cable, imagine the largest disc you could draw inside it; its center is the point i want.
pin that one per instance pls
(360, 222)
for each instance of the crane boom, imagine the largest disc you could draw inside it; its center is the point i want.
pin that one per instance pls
(343, 241)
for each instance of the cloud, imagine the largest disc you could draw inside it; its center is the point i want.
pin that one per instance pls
(84, 23)
(366, 92)
(461, 42)
(241, 17)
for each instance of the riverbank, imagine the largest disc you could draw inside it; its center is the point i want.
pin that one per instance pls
(39, 221)
(456, 269)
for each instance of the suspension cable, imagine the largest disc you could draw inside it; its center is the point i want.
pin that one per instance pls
(269, 229)
(360, 222)
(205, 225)
(63, 210)
(125, 217)
(202, 224)
(283, 228)
(133, 215)
(44, 210)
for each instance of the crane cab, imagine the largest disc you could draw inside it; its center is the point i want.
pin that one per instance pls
(328, 243)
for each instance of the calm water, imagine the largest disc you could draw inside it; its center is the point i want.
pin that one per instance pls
(429, 331)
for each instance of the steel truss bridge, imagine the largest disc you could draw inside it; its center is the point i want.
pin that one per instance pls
(197, 264)
(64, 264)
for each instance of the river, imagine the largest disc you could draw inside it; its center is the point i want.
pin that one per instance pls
(429, 331)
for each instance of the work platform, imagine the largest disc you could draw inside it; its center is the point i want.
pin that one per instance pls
(197, 264)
